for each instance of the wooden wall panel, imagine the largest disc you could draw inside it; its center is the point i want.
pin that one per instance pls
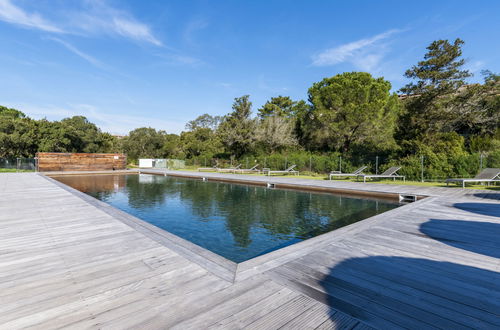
(55, 161)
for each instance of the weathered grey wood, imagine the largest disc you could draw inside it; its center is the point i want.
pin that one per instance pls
(69, 261)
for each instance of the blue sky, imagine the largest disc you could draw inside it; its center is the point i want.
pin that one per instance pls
(127, 64)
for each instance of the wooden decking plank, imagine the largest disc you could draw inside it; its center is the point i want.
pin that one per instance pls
(340, 321)
(283, 314)
(375, 297)
(422, 258)
(66, 261)
(431, 284)
(230, 306)
(248, 315)
(425, 300)
(347, 303)
(311, 318)
(371, 285)
(134, 298)
(164, 316)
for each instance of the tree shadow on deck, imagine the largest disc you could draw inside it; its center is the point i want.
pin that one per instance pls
(474, 236)
(490, 209)
(398, 292)
(494, 196)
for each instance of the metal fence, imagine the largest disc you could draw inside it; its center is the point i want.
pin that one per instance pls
(18, 164)
(416, 168)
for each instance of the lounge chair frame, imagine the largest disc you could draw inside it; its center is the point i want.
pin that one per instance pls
(230, 169)
(289, 170)
(214, 168)
(389, 173)
(253, 169)
(340, 174)
(487, 175)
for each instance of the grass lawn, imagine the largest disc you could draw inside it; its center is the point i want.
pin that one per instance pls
(13, 170)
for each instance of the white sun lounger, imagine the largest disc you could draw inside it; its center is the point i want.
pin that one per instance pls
(230, 169)
(253, 169)
(289, 170)
(487, 175)
(213, 168)
(355, 173)
(390, 173)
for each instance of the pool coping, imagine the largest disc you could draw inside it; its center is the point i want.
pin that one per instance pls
(214, 263)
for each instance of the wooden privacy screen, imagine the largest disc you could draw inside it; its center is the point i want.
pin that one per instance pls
(56, 161)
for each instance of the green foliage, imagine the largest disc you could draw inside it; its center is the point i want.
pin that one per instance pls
(237, 129)
(282, 106)
(21, 136)
(144, 142)
(433, 100)
(350, 109)
(204, 121)
(440, 71)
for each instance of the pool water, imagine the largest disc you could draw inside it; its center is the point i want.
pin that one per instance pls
(238, 222)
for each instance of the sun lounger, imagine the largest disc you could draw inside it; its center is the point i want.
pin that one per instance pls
(230, 169)
(214, 168)
(248, 170)
(355, 173)
(289, 170)
(487, 175)
(390, 173)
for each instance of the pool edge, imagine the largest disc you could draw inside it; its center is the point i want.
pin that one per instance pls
(214, 263)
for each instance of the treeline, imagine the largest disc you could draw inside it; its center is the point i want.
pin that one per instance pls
(437, 116)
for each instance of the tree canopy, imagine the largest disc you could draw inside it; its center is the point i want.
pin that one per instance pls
(351, 108)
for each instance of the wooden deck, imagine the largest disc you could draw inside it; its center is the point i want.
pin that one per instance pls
(68, 263)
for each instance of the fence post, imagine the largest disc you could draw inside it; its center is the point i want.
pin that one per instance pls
(18, 163)
(265, 162)
(481, 161)
(286, 162)
(422, 167)
(310, 163)
(246, 160)
(376, 164)
(340, 164)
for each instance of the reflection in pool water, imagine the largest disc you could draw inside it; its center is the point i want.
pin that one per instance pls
(238, 222)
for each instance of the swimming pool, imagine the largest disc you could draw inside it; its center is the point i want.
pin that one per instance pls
(236, 221)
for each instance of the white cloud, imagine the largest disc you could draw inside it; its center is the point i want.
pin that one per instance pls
(192, 28)
(101, 18)
(108, 122)
(365, 54)
(96, 18)
(15, 15)
(92, 60)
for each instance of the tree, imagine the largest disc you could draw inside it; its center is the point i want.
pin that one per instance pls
(278, 106)
(204, 121)
(475, 109)
(351, 108)
(144, 142)
(276, 133)
(438, 78)
(201, 141)
(86, 136)
(237, 130)
(439, 72)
